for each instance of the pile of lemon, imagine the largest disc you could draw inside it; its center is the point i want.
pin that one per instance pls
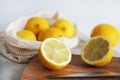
(54, 54)
(97, 51)
(38, 28)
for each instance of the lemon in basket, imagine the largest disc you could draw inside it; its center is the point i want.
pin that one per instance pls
(50, 33)
(54, 54)
(97, 51)
(66, 26)
(108, 31)
(37, 24)
(26, 34)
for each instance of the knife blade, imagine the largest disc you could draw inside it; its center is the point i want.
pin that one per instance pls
(86, 74)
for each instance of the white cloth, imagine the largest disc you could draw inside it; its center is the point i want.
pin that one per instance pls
(10, 70)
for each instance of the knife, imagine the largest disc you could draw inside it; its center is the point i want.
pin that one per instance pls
(86, 75)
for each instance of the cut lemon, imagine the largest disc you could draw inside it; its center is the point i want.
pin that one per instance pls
(97, 51)
(54, 54)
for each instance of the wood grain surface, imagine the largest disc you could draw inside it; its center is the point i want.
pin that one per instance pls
(35, 71)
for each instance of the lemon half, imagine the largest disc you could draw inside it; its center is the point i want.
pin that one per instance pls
(97, 51)
(54, 54)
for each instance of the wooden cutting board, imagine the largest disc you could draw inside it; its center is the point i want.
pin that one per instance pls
(35, 71)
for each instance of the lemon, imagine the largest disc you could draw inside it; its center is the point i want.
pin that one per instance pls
(26, 34)
(108, 31)
(54, 54)
(37, 24)
(97, 51)
(66, 26)
(50, 33)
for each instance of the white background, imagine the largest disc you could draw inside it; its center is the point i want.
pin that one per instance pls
(85, 13)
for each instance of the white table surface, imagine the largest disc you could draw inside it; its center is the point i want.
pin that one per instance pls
(10, 70)
(85, 13)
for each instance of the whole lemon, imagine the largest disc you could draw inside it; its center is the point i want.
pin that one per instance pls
(26, 34)
(108, 31)
(50, 33)
(37, 24)
(66, 26)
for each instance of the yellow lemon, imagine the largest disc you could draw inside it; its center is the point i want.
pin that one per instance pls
(26, 34)
(97, 51)
(50, 33)
(108, 31)
(66, 26)
(54, 54)
(37, 24)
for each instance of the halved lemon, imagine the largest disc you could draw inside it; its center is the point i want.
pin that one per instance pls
(97, 51)
(54, 54)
